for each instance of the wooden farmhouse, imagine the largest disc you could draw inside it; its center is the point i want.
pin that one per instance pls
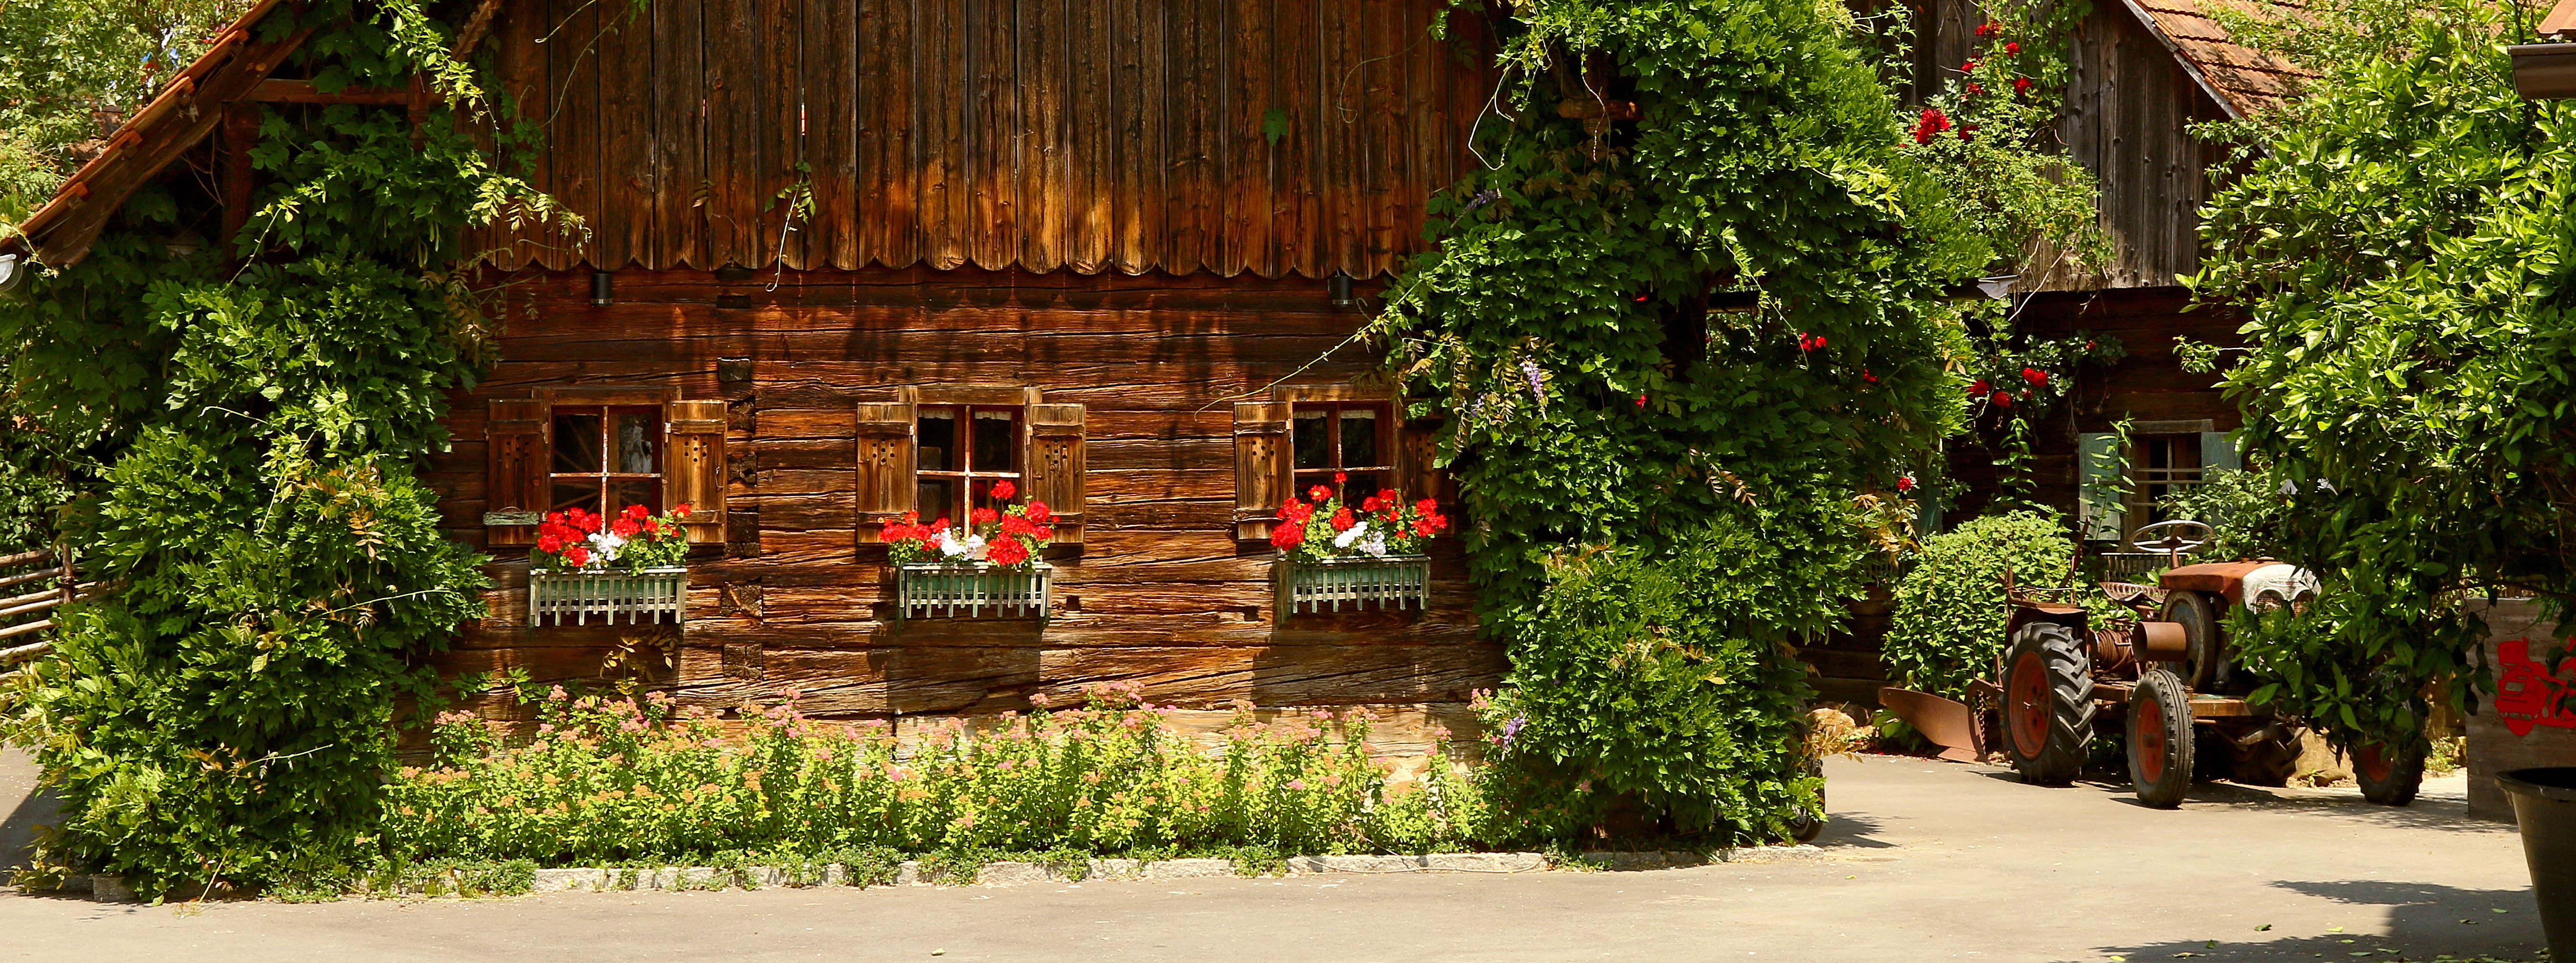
(841, 260)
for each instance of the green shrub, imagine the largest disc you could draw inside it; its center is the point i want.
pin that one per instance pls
(1948, 626)
(2247, 515)
(620, 780)
(1658, 695)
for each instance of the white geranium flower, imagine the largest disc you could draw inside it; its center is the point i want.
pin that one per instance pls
(949, 546)
(605, 545)
(975, 548)
(1351, 536)
(1374, 546)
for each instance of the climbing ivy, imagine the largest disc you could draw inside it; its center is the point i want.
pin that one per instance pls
(1729, 318)
(243, 428)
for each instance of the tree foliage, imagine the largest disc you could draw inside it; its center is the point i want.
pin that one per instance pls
(248, 424)
(68, 65)
(1948, 625)
(2401, 249)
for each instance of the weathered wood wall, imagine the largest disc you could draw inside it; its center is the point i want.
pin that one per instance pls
(2129, 106)
(1231, 136)
(1161, 593)
(2148, 385)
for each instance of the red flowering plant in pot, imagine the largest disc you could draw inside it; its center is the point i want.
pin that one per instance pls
(1008, 538)
(1320, 527)
(577, 540)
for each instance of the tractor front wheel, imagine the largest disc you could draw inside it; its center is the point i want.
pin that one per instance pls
(2160, 738)
(2048, 703)
(2389, 778)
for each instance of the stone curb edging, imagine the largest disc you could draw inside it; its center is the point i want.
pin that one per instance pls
(910, 872)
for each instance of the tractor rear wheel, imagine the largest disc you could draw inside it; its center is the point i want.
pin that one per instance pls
(2270, 761)
(2389, 778)
(2048, 703)
(2160, 738)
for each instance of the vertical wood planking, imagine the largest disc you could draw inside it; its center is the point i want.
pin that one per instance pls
(1342, 147)
(1296, 88)
(889, 186)
(1139, 161)
(1190, 184)
(572, 79)
(1244, 233)
(1091, 65)
(523, 79)
(1040, 142)
(680, 134)
(629, 176)
(733, 42)
(940, 84)
(994, 138)
(784, 122)
(832, 131)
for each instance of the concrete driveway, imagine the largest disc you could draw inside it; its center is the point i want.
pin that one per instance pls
(1925, 860)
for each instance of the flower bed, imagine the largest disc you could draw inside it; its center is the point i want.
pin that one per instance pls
(1330, 555)
(623, 566)
(607, 781)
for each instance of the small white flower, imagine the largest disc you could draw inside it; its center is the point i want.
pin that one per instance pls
(1351, 536)
(1374, 545)
(605, 545)
(948, 546)
(975, 547)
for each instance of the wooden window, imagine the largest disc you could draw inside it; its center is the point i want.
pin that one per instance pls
(602, 450)
(940, 452)
(1340, 438)
(963, 450)
(1310, 432)
(605, 458)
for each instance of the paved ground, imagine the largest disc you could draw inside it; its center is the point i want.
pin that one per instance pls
(1926, 860)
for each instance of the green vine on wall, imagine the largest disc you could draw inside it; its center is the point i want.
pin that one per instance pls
(250, 422)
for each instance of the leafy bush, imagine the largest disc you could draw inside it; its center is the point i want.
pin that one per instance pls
(2246, 513)
(607, 781)
(1659, 694)
(1948, 625)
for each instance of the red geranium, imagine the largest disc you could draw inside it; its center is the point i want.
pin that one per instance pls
(1288, 534)
(1003, 490)
(1040, 513)
(1342, 520)
(982, 516)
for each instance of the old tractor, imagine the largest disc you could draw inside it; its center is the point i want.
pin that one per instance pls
(2163, 676)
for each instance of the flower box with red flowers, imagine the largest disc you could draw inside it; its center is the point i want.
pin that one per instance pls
(1331, 554)
(627, 565)
(991, 562)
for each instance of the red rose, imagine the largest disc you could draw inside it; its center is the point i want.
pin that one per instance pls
(1968, 68)
(2035, 376)
(1975, 90)
(1003, 490)
(1342, 520)
(2002, 400)
(2013, 49)
(1905, 483)
(1986, 29)
(1288, 536)
(1868, 377)
(2021, 85)
(1979, 387)
(1641, 399)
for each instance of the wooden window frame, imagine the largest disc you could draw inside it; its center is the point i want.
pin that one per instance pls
(1048, 449)
(604, 481)
(966, 475)
(689, 459)
(1303, 480)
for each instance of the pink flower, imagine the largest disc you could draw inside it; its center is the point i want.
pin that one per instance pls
(1296, 784)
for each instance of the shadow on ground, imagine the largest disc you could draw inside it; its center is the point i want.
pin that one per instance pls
(2425, 921)
(1852, 831)
(2448, 815)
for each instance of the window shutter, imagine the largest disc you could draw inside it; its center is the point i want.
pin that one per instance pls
(2218, 450)
(1055, 466)
(514, 494)
(693, 466)
(887, 485)
(2103, 467)
(1260, 466)
(1419, 474)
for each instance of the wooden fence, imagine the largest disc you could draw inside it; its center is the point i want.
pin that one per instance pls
(36, 583)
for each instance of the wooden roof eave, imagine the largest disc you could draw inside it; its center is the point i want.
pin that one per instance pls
(182, 114)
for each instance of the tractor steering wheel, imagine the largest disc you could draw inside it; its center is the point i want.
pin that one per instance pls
(2176, 537)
